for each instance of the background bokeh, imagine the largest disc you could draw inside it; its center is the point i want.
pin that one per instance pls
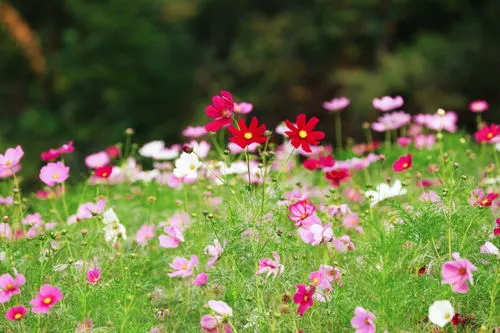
(87, 69)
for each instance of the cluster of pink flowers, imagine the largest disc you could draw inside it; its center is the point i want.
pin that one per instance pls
(391, 121)
(47, 297)
(54, 153)
(217, 322)
(438, 122)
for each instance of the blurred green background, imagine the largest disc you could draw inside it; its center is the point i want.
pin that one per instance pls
(87, 69)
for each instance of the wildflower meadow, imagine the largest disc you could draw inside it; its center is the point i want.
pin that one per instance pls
(247, 228)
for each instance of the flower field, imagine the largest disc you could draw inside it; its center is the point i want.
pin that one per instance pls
(244, 228)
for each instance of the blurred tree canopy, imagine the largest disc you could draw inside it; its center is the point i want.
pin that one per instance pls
(87, 69)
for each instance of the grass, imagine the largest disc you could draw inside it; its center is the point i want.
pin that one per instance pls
(400, 236)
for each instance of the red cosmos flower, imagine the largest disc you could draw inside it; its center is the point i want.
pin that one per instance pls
(487, 133)
(302, 134)
(245, 136)
(496, 231)
(487, 201)
(304, 297)
(320, 163)
(104, 171)
(335, 177)
(402, 163)
(221, 110)
(457, 319)
(113, 151)
(51, 155)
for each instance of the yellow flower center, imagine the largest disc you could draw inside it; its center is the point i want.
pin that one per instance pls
(462, 271)
(405, 165)
(484, 201)
(192, 167)
(184, 267)
(55, 176)
(248, 135)
(490, 135)
(9, 287)
(7, 163)
(104, 174)
(18, 316)
(47, 300)
(303, 216)
(447, 315)
(302, 134)
(315, 280)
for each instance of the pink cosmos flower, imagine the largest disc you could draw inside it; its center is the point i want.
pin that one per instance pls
(387, 103)
(343, 243)
(16, 313)
(7, 201)
(201, 279)
(243, 107)
(429, 196)
(194, 132)
(478, 106)
(94, 275)
(89, 209)
(221, 111)
(436, 122)
(270, 266)
(85, 326)
(332, 274)
(54, 173)
(11, 158)
(145, 234)
(221, 308)
(214, 251)
(180, 220)
(363, 321)
(97, 160)
(316, 234)
(353, 194)
(304, 298)
(425, 141)
(478, 198)
(5, 231)
(50, 155)
(183, 267)
(457, 272)
(350, 221)
(302, 213)
(33, 220)
(173, 238)
(403, 163)
(217, 323)
(404, 141)
(336, 104)
(9, 286)
(46, 299)
(391, 121)
(66, 148)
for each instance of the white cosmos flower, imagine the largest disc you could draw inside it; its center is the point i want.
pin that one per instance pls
(113, 229)
(201, 148)
(187, 165)
(384, 191)
(441, 313)
(152, 148)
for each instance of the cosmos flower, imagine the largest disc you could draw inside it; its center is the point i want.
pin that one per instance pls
(384, 191)
(457, 273)
(387, 103)
(16, 313)
(441, 313)
(302, 133)
(478, 106)
(270, 266)
(183, 267)
(304, 298)
(244, 136)
(54, 173)
(363, 321)
(336, 104)
(10, 286)
(403, 163)
(221, 110)
(47, 297)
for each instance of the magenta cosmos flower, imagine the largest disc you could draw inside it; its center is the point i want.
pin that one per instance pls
(304, 298)
(54, 173)
(9, 286)
(363, 321)
(183, 267)
(336, 104)
(16, 313)
(221, 111)
(456, 273)
(46, 299)
(94, 275)
(200, 279)
(403, 163)
(387, 103)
